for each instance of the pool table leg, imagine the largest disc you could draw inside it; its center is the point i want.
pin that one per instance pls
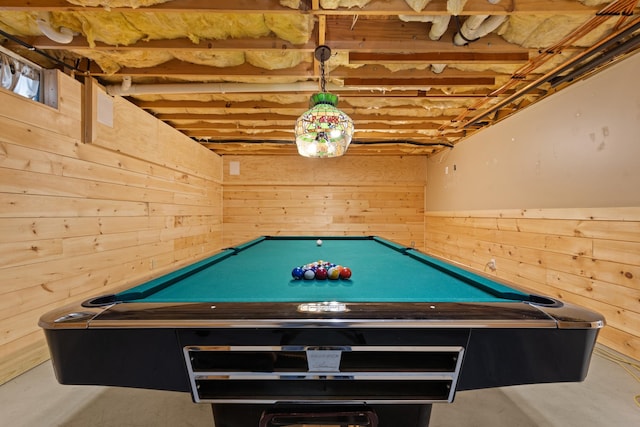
(248, 415)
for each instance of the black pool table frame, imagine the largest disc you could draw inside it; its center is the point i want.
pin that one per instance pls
(247, 359)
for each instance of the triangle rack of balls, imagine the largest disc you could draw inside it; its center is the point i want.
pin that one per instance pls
(321, 270)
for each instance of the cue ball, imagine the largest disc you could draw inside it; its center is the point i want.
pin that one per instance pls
(319, 242)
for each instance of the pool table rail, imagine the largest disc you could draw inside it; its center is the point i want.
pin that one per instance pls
(361, 315)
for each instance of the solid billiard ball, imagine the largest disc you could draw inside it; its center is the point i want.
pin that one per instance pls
(319, 242)
(345, 273)
(321, 273)
(309, 275)
(297, 273)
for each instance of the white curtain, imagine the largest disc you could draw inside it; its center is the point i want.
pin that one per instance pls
(19, 77)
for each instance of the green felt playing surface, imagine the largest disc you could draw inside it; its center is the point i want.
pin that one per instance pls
(260, 271)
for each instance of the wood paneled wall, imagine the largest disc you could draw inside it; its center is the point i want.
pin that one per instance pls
(274, 195)
(590, 257)
(79, 219)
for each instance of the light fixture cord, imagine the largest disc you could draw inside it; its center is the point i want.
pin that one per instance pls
(322, 80)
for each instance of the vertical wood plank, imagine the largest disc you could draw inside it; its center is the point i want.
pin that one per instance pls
(89, 110)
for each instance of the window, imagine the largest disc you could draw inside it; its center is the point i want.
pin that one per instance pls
(20, 76)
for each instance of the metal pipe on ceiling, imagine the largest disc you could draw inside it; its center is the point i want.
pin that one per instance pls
(578, 62)
(605, 57)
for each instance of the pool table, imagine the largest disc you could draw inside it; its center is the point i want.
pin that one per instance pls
(239, 332)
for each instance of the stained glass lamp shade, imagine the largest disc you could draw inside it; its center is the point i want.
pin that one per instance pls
(324, 130)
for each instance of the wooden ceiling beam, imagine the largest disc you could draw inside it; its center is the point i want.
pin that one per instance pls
(471, 7)
(381, 72)
(346, 97)
(396, 36)
(391, 149)
(227, 105)
(230, 117)
(272, 135)
(389, 7)
(267, 148)
(361, 136)
(268, 118)
(180, 6)
(182, 44)
(200, 126)
(302, 71)
(345, 100)
(177, 68)
(421, 82)
(439, 57)
(435, 93)
(378, 78)
(283, 138)
(361, 127)
(346, 103)
(390, 36)
(241, 148)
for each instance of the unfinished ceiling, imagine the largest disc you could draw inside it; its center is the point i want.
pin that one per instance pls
(415, 75)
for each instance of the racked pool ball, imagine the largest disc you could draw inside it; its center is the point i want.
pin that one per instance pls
(333, 273)
(309, 275)
(345, 273)
(297, 273)
(321, 273)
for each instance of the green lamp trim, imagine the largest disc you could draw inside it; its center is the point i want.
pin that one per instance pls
(323, 98)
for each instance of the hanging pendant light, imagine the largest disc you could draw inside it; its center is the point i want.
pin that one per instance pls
(324, 130)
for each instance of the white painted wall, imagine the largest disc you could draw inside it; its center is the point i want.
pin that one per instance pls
(577, 148)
